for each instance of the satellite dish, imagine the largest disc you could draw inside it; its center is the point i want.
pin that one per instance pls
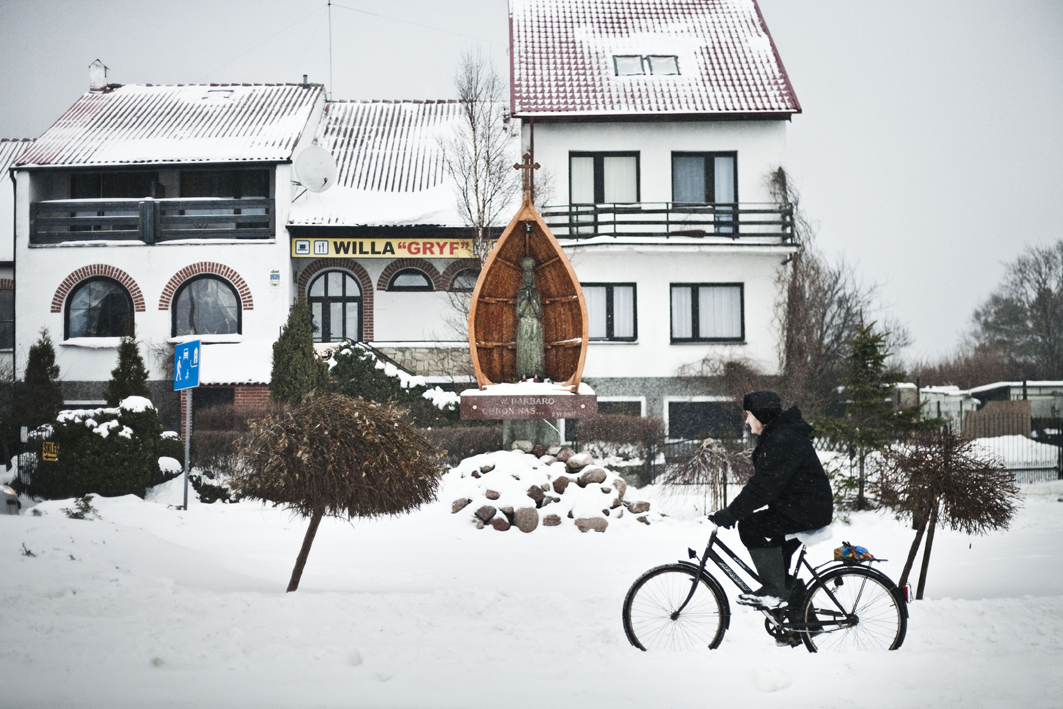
(316, 169)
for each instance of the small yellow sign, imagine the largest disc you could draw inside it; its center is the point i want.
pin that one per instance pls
(50, 451)
(382, 248)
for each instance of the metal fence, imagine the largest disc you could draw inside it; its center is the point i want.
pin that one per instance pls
(1031, 448)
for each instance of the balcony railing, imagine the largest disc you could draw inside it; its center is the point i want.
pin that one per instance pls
(150, 220)
(666, 219)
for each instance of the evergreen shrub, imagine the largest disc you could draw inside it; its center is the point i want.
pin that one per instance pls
(107, 451)
(460, 442)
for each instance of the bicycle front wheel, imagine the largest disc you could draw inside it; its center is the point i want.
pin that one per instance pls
(864, 613)
(652, 619)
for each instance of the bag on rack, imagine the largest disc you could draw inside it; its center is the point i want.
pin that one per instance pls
(852, 553)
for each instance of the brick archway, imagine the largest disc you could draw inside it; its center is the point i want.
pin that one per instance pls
(214, 269)
(356, 270)
(451, 271)
(97, 269)
(419, 263)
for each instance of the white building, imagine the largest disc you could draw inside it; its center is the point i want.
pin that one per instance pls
(657, 123)
(169, 205)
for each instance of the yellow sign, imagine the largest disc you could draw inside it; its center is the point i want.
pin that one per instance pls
(381, 248)
(50, 451)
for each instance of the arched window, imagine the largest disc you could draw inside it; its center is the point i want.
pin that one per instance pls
(464, 281)
(410, 279)
(206, 305)
(97, 307)
(336, 304)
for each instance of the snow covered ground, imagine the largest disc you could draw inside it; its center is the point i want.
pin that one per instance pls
(153, 606)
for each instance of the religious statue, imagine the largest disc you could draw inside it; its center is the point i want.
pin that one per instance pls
(531, 353)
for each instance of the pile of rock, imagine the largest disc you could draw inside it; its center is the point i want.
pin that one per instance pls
(521, 489)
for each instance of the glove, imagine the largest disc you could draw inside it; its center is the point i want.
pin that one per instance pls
(724, 518)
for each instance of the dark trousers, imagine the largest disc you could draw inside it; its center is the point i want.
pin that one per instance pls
(768, 529)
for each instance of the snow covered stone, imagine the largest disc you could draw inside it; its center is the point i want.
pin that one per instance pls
(560, 484)
(620, 485)
(638, 507)
(523, 446)
(536, 494)
(526, 519)
(500, 524)
(587, 524)
(485, 513)
(459, 505)
(578, 462)
(551, 521)
(487, 467)
(564, 454)
(491, 495)
(592, 475)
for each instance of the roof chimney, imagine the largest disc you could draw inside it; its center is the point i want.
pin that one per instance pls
(304, 81)
(97, 76)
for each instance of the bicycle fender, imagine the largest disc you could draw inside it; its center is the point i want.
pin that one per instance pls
(716, 586)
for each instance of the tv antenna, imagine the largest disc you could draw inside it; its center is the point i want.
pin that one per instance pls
(316, 169)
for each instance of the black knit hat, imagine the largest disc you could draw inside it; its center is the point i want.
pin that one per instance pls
(765, 405)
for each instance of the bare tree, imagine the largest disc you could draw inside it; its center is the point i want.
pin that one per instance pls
(1023, 319)
(940, 477)
(479, 156)
(707, 472)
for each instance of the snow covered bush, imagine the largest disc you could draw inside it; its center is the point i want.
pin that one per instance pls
(107, 451)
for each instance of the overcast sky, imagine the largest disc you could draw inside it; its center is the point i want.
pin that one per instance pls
(929, 153)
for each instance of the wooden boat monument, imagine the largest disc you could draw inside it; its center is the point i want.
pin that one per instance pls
(551, 327)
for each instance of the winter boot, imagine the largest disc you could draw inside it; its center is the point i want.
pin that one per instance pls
(772, 573)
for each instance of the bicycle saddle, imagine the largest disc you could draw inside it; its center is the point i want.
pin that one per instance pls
(812, 537)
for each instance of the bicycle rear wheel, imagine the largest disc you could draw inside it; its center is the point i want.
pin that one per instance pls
(870, 616)
(651, 617)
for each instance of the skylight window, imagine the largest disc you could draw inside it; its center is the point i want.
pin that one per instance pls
(663, 65)
(628, 65)
(637, 65)
(218, 94)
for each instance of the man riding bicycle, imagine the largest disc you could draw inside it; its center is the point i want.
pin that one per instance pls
(789, 481)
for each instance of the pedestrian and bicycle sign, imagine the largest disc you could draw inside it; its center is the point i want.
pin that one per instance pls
(186, 365)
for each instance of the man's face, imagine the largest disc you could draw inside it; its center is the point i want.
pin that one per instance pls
(755, 426)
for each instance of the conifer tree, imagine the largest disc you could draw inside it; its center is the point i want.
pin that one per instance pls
(41, 395)
(871, 419)
(130, 377)
(297, 370)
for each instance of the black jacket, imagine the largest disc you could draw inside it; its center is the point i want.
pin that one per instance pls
(788, 477)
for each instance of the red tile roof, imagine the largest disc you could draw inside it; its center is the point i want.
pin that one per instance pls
(563, 64)
(172, 124)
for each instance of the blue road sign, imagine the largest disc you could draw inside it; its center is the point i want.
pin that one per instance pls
(186, 365)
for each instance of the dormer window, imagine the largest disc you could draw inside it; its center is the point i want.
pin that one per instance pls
(663, 65)
(637, 65)
(628, 65)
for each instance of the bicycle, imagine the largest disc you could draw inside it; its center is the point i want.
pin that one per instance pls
(843, 606)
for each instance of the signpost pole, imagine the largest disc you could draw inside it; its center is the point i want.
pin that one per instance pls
(188, 442)
(186, 360)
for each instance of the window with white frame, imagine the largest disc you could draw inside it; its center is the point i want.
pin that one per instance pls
(708, 312)
(611, 311)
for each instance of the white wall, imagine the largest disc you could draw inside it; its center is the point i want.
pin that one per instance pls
(760, 146)
(653, 269)
(42, 269)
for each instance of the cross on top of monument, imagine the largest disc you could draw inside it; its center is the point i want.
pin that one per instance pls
(527, 166)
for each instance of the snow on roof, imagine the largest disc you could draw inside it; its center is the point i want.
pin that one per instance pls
(9, 150)
(246, 362)
(1018, 385)
(164, 124)
(390, 169)
(563, 58)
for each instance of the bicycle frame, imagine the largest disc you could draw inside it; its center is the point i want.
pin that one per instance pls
(710, 553)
